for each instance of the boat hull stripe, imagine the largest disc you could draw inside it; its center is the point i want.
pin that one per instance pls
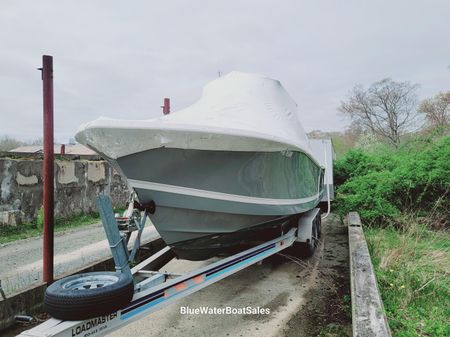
(217, 195)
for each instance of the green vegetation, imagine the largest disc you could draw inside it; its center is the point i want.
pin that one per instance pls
(412, 267)
(8, 234)
(402, 195)
(333, 330)
(40, 218)
(384, 184)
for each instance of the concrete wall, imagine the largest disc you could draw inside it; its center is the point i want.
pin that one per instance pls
(77, 183)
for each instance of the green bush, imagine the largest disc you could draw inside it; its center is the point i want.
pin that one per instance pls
(385, 183)
(40, 218)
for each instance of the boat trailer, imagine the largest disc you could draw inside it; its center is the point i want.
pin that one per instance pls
(154, 289)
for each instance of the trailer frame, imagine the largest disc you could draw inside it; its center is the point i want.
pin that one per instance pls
(155, 289)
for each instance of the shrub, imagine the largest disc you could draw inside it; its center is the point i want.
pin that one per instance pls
(385, 183)
(40, 218)
(367, 194)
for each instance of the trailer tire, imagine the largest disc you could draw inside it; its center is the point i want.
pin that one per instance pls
(306, 249)
(88, 295)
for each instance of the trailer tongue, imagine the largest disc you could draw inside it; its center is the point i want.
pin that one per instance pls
(153, 289)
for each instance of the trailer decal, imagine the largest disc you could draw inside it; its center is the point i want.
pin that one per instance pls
(93, 326)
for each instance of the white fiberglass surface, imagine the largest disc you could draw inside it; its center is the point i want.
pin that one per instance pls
(237, 112)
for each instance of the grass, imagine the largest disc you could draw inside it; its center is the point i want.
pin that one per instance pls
(412, 266)
(8, 234)
(333, 330)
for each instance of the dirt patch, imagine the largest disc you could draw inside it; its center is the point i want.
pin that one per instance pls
(22, 326)
(327, 309)
(273, 305)
(279, 301)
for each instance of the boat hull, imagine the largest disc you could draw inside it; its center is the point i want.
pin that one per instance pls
(211, 202)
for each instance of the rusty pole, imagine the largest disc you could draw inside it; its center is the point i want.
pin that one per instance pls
(166, 106)
(47, 80)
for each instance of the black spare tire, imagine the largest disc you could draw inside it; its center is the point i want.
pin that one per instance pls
(88, 295)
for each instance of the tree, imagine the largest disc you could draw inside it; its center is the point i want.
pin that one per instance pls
(7, 143)
(387, 108)
(437, 109)
(38, 141)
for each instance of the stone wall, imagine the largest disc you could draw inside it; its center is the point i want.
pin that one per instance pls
(77, 184)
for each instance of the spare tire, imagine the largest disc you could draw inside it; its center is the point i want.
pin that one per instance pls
(88, 295)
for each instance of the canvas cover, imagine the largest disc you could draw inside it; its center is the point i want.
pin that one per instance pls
(237, 112)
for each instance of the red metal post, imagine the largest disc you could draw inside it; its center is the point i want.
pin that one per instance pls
(166, 106)
(63, 149)
(47, 79)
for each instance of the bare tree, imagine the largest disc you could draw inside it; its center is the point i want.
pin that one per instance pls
(437, 109)
(387, 108)
(7, 143)
(353, 132)
(37, 141)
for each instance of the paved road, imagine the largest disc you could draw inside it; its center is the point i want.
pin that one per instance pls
(21, 261)
(304, 298)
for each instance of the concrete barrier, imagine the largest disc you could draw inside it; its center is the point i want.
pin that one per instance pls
(30, 301)
(368, 317)
(78, 182)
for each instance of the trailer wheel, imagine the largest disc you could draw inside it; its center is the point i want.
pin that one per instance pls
(88, 295)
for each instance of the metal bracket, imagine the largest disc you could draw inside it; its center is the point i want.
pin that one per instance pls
(132, 221)
(118, 251)
(137, 241)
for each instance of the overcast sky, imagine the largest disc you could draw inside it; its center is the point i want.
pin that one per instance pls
(120, 58)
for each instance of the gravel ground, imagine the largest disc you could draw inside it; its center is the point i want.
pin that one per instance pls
(305, 299)
(21, 261)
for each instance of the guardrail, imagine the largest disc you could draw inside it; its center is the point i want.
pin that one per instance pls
(368, 315)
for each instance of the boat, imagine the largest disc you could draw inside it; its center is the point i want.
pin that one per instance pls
(231, 170)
